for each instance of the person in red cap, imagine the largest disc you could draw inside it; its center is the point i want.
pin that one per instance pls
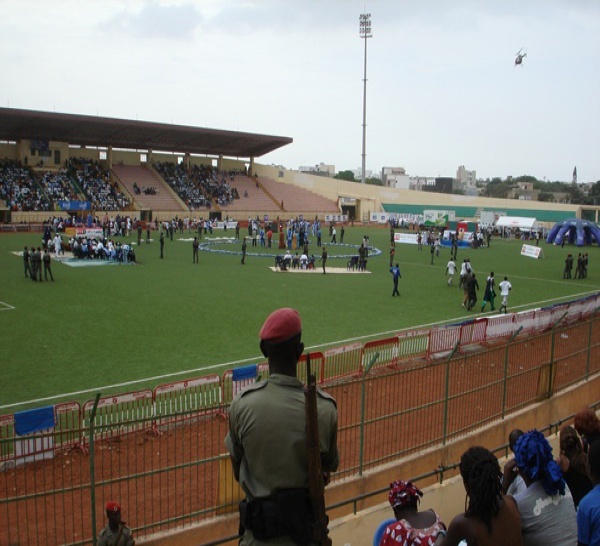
(116, 533)
(267, 441)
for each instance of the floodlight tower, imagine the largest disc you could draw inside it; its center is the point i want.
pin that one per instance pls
(365, 32)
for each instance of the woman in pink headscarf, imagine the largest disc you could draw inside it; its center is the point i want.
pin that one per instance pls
(412, 526)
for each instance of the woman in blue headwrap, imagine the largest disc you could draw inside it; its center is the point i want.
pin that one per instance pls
(547, 511)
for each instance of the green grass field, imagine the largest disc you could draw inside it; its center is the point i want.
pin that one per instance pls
(117, 328)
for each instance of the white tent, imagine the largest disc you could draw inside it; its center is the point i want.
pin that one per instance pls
(513, 222)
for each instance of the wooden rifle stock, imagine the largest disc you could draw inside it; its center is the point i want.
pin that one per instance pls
(316, 486)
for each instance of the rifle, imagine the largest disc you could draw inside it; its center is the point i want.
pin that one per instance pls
(316, 486)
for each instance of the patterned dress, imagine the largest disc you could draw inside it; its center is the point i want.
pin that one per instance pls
(402, 533)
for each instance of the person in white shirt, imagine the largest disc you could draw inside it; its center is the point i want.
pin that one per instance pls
(450, 271)
(505, 288)
(57, 245)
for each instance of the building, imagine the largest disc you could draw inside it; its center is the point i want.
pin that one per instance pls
(321, 168)
(467, 179)
(419, 182)
(358, 173)
(395, 177)
(524, 191)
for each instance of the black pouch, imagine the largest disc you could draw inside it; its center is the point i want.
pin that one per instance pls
(262, 519)
(295, 514)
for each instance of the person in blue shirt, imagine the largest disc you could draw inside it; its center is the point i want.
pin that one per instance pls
(588, 514)
(395, 271)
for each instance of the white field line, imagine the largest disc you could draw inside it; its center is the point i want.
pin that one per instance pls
(6, 306)
(227, 365)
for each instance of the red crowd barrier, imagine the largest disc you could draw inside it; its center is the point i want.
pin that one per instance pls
(342, 361)
(174, 401)
(120, 414)
(442, 340)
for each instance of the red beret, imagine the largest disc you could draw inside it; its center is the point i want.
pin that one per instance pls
(113, 506)
(281, 325)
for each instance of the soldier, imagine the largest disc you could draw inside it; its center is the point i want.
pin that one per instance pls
(38, 263)
(244, 246)
(116, 533)
(195, 251)
(139, 231)
(161, 239)
(269, 417)
(47, 265)
(26, 263)
(147, 233)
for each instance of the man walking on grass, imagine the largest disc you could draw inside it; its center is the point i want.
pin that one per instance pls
(395, 271)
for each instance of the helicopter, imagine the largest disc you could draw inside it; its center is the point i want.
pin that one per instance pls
(519, 58)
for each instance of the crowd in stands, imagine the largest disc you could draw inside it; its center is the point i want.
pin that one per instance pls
(22, 192)
(19, 189)
(57, 186)
(539, 499)
(96, 184)
(198, 185)
(151, 190)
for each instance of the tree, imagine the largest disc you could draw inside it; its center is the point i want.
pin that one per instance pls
(374, 181)
(345, 175)
(546, 196)
(497, 188)
(525, 178)
(594, 194)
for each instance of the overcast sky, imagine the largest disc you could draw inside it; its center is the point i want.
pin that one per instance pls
(442, 87)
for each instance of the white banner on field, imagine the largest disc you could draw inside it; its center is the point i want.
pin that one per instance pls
(532, 251)
(336, 217)
(379, 217)
(405, 238)
(221, 225)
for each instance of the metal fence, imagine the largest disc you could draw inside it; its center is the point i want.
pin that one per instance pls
(161, 454)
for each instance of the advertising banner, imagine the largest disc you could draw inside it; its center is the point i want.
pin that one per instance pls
(89, 232)
(379, 217)
(405, 238)
(336, 217)
(75, 205)
(531, 251)
(438, 217)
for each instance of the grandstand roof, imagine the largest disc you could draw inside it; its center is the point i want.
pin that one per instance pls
(16, 124)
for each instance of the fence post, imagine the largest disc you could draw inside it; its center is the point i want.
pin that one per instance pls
(447, 391)
(505, 380)
(589, 351)
(362, 414)
(551, 371)
(92, 471)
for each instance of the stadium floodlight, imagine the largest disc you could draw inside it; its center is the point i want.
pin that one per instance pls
(365, 32)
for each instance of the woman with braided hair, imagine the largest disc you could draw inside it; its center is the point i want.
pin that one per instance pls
(412, 527)
(548, 515)
(490, 518)
(572, 463)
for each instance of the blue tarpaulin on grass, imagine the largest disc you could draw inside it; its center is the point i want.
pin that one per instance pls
(245, 372)
(30, 421)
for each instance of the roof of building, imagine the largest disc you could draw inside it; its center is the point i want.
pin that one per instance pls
(17, 124)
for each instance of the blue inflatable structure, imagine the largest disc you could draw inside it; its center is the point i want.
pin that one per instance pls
(574, 231)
